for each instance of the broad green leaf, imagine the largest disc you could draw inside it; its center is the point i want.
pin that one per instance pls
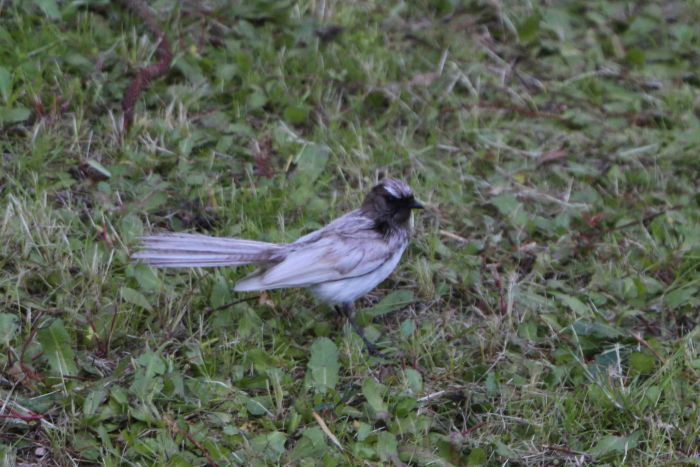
(609, 445)
(145, 384)
(603, 361)
(258, 405)
(312, 444)
(404, 406)
(135, 298)
(528, 331)
(194, 354)
(5, 83)
(387, 448)
(528, 29)
(373, 391)
(509, 206)
(155, 200)
(185, 146)
(57, 347)
(78, 60)
(220, 293)
(502, 449)
(13, 114)
(8, 328)
(414, 380)
(152, 363)
(653, 393)
(506, 203)
(680, 296)
(296, 114)
(260, 359)
(364, 430)
(257, 100)
(270, 446)
(147, 278)
(477, 456)
(131, 227)
(293, 421)
(392, 302)
(93, 401)
(492, 384)
(576, 305)
(119, 395)
(226, 71)
(635, 57)
(311, 162)
(323, 364)
(597, 330)
(408, 327)
(49, 7)
(189, 69)
(642, 363)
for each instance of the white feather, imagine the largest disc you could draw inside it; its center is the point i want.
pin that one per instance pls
(190, 250)
(328, 259)
(349, 290)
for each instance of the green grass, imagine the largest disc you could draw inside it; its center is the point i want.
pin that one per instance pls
(546, 311)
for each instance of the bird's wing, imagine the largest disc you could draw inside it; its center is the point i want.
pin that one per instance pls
(331, 257)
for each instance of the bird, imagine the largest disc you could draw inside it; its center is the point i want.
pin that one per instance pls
(338, 263)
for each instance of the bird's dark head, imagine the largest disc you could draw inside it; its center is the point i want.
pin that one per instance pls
(390, 203)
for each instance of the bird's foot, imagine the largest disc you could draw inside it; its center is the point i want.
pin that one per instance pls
(348, 311)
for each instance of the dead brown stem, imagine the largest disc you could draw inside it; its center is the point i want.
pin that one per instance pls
(144, 76)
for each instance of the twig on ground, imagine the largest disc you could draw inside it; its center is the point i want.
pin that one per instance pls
(176, 429)
(145, 75)
(647, 218)
(230, 304)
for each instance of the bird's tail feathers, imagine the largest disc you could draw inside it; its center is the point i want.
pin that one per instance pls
(191, 250)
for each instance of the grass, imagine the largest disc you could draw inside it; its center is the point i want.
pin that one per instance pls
(546, 311)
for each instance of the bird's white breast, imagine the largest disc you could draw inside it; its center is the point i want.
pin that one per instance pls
(349, 290)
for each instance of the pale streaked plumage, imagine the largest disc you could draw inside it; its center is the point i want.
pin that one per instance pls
(339, 263)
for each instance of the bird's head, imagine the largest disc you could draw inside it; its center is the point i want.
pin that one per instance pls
(390, 203)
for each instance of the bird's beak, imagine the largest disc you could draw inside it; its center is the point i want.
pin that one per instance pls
(416, 205)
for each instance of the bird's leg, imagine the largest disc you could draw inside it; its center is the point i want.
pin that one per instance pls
(349, 311)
